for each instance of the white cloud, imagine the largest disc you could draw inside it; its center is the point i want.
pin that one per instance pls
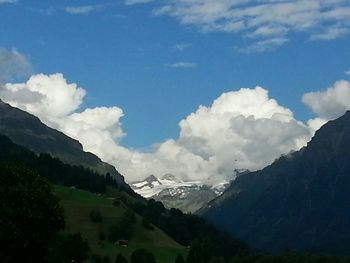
(246, 126)
(182, 46)
(83, 10)
(331, 103)
(316, 123)
(8, 1)
(51, 97)
(182, 65)
(241, 129)
(57, 102)
(347, 72)
(262, 19)
(263, 46)
(13, 64)
(331, 33)
(134, 2)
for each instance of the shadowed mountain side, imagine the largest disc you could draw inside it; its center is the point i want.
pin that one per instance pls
(27, 130)
(300, 202)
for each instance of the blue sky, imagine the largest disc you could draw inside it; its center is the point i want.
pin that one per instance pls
(121, 55)
(159, 61)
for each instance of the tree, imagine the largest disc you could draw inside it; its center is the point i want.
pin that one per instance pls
(147, 224)
(201, 251)
(124, 229)
(142, 256)
(180, 259)
(120, 259)
(95, 216)
(30, 215)
(69, 248)
(106, 259)
(101, 236)
(94, 258)
(217, 260)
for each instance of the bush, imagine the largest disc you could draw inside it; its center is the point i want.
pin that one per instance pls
(69, 248)
(180, 259)
(94, 258)
(142, 256)
(101, 236)
(147, 224)
(120, 259)
(95, 216)
(116, 202)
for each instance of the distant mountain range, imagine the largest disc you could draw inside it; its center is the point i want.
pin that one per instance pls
(28, 131)
(189, 196)
(300, 202)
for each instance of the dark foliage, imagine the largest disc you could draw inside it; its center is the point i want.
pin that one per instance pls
(54, 169)
(106, 259)
(288, 258)
(94, 258)
(30, 215)
(187, 228)
(95, 216)
(124, 229)
(67, 249)
(142, 256)
(120, 259)
(101, 236)
(179, 259)
(146, 223)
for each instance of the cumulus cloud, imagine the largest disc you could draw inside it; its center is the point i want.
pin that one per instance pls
(244, 128)
(240, 129)
(13, 65)
(262, 20)
(48, 97)
(331, 103)
(347, 72)
(56, 102)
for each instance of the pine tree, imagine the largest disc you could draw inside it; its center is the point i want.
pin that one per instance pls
(120, 259)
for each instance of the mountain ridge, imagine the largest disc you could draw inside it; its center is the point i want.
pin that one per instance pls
(28, 131)
(189, 196)
(299, 202)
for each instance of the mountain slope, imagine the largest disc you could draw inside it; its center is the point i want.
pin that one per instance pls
(300, 202)
(27, 130)
(156, 228)
(78, 205)
(189, 196)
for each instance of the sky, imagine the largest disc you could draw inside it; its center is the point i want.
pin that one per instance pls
(196, 88)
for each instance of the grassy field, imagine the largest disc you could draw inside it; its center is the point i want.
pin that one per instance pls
(78, 204)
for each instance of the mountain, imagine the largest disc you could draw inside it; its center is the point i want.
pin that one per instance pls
(189, 196)
(80, 192)
(300, 202)
(121, 215)
(78, 205)
(27, 130)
